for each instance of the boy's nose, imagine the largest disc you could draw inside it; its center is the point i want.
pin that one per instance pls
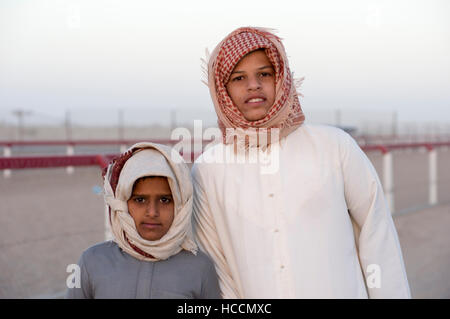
(152, 210)
(254, 83)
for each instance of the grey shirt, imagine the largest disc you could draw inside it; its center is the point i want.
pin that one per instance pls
(109, 272)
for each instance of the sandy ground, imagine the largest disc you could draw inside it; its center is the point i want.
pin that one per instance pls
(425, 243)
(48, 218)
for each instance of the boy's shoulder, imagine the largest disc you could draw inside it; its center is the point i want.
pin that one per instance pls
(211, 152)
(321, 130)
(200, 260)
(326, 136)
(101, 250)
(110, 248)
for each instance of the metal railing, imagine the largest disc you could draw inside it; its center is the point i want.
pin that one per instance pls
(8, 162)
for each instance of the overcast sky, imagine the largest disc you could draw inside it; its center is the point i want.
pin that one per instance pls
(355, 55)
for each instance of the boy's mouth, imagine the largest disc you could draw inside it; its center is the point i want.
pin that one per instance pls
(253, 100)
(151, 225)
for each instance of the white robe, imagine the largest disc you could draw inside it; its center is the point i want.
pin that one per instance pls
(309, 220)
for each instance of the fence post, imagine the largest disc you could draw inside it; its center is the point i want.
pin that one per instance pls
(7, 153)
(388, 179)
(432, 173)
(69, 152)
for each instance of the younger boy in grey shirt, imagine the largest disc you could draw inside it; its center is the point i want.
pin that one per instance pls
(153, 255)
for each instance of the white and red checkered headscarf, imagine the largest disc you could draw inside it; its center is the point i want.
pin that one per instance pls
(285, 114)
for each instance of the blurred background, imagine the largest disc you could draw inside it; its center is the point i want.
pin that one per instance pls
(112, 72)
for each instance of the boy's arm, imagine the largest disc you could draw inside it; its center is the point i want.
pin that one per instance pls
(379, 248)
(210, 283)
(84, 291)
(206, 235)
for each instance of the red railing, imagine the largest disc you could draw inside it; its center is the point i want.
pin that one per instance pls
(21, 162)
(88, 142)
(7, 163)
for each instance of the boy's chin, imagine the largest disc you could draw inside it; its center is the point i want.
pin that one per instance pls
(152, 237)
(255, 115)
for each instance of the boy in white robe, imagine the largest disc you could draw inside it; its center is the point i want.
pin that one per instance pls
(298, 213)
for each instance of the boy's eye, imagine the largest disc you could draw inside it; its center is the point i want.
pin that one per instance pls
(265, 74)
(139, 200)
(238, 78)
(166, 200)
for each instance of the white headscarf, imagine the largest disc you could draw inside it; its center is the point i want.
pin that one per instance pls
(149, 159)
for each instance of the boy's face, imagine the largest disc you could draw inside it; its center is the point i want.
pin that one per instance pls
(151, 206)
(252, 85)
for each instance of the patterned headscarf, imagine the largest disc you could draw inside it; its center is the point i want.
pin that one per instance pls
(141, 160)
(285, 114)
